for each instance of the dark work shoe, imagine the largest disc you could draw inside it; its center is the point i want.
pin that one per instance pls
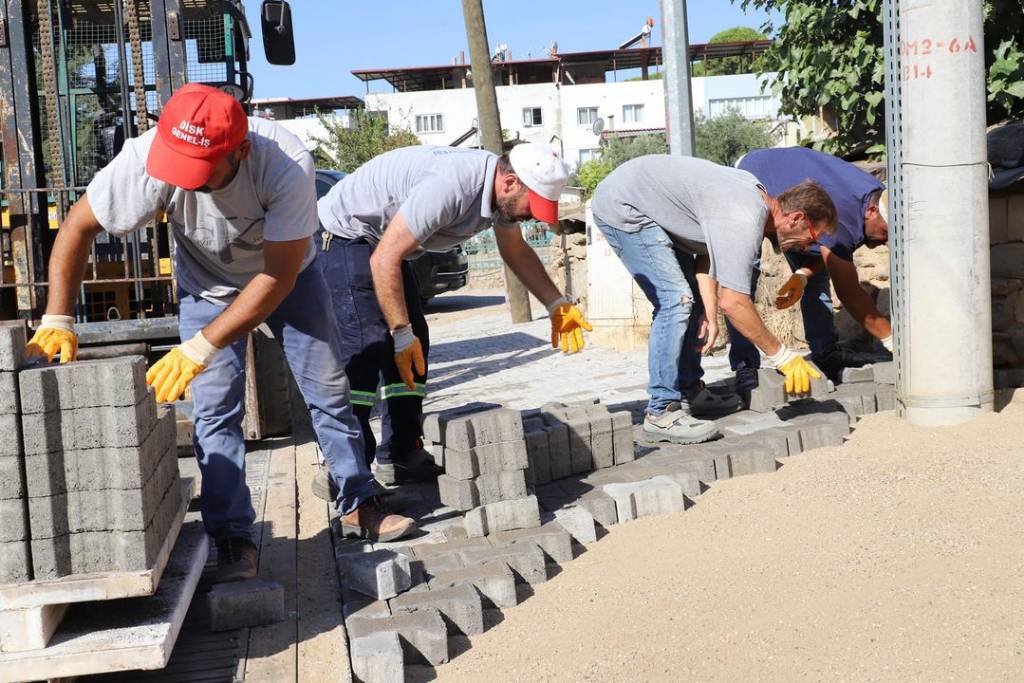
(236, 560)
(418, 467)
(374, 521)
(324, 488)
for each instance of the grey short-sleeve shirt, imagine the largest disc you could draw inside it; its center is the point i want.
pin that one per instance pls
(218, 235)
(443, 193)
(705, 209)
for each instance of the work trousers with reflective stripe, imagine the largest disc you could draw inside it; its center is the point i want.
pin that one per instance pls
(367, 349)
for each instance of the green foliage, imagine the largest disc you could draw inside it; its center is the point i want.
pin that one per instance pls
(724, 139)
(346, 148)
(590, 173)
(829, 55)
(618, 150)
(726, 66)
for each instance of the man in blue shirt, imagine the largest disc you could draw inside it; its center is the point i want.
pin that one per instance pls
(860, 204)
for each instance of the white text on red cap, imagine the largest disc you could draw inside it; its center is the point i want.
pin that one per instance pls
(191, 133)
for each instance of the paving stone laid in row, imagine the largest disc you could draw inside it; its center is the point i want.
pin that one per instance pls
(15, 556)
(477, 564)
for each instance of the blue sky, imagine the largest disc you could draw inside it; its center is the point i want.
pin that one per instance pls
(333, 37)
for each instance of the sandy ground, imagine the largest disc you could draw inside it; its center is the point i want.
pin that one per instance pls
(895, 558)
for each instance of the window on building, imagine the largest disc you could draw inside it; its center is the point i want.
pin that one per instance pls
(430, 123)
(585, 116)
(533, 116)
(632, 113)
(759, 107)
(589, 155)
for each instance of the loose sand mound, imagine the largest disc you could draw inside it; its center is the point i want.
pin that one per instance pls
(896, 557)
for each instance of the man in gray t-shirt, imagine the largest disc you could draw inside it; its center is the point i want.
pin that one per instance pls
(396, 206)
(239, 198)
(683, 226)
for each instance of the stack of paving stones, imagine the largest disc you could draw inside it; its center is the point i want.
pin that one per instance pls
(485, 460)
(101, 484)
(412, 603)
(15, 558)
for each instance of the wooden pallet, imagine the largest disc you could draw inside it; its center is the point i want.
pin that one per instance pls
(31, 611)
(124, 635)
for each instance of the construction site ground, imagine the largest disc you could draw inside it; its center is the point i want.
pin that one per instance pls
(895, 557)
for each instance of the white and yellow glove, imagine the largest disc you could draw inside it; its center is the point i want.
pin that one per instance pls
(797, 370)
(171, 375)
(408, 355)
(567, 325)
(55, 334)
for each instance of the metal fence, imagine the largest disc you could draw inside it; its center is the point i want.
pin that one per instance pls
(482, 250)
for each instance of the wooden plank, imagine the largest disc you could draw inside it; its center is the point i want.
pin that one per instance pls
(323, 646)
(29, 629)
(98, 586)
(124, 635)
(272, 648)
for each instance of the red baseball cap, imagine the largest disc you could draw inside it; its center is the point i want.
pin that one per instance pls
(198, 127)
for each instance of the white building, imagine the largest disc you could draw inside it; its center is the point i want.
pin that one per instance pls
(558, 99)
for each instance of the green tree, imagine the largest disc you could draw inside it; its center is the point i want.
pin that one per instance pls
(346, 148)
(725, 66)
(725, 138)
(829, 55)
(590, 173)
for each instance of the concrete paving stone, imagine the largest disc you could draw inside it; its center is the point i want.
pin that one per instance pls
(885, 373)
(748, 422)
(707, 460)
(656, 496)
(602, 446)
(435, 424)
(505, 515)
(380, 574)
(885, 399)
(84, 428)
(355, 604)
(12, 479)
(822, 433)
(601, 506)
(487, 427)
(459, 605)
(486, 459)
(431, 550)
(525, 560)
(9, 393)
(577, 521)
(623, 446)
(623, 474)
(11, 445)
(377, 658)
(14, 516)
(243, 604)
(750, 458)
(344, 546)
(422, 633)
(865, 373)
(553, 539)
(580, 449)
(559, 451)
(770, 392)
(539, 471)
(783, 441)
(439, 564)
(684, 476)
(15, 565)
(108, 382)
(12, 346)
(494, 581)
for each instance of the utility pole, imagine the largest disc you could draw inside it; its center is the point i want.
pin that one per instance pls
(489, 125)
(938, 206)
(678, 99)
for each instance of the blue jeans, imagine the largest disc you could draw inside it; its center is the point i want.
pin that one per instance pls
(667, 277)
(819, 325)
(305, 326)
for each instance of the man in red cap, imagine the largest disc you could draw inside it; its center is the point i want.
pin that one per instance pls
(239, 196)
(395, 207)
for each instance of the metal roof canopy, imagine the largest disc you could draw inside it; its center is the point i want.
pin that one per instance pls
(290, 108)
(434, 77)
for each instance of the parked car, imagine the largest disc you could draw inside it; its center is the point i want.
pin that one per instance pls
(436, 272)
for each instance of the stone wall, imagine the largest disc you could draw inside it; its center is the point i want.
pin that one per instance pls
(1006, 216)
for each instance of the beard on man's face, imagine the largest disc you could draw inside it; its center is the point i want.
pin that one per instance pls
(505, 210)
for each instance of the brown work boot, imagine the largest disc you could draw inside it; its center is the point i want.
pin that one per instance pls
(236, 560)
(373, 520)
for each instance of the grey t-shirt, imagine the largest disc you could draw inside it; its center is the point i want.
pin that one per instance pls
(218, 235)
(705, 209)
(443, 193)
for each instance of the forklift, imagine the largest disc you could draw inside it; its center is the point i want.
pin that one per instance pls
(78, 78)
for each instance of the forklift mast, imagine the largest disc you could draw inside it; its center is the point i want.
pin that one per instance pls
(77, 78)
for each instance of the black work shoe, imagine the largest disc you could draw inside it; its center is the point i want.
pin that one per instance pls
(236, 560)
(324, 488)
(393, 473)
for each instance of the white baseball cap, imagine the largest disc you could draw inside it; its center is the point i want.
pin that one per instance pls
(543, 173)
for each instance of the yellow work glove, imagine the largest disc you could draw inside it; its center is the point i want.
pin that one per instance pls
(567, 325)
(171, 375)
(408, 355)
(797, 370)
(55, 334)
(790, 292)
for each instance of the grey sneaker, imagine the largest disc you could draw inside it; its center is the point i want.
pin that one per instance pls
(678, 426)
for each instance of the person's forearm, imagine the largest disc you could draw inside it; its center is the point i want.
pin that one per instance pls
(69, 256)
(742, 313)
(707, 287)
(527, 266)
(387, 283)
(254, 304)
(859, 303)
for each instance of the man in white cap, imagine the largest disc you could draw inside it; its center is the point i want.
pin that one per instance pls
(395, 207)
